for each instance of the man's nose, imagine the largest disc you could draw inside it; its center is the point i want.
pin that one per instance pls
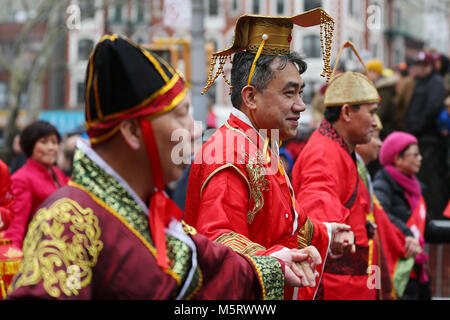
(299, 105)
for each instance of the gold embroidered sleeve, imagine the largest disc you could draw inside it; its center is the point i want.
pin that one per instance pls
(239, 243)
(305, 234)
(61, 248)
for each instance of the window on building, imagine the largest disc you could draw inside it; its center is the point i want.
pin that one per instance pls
(87, 9)
(140, 11)
(312, 4)
(311, 45)
(256, 8)
(280, 7)
(308, 92)
(375, 50)
(80, 93)
(213, 9)
(351, 8)
(398, 18)
(85, 47)
(234, 5)
(397, 58)
(3, 95)
(118, 13)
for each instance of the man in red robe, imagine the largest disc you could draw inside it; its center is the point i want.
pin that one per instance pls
(327, 183)
(238, 192)
(113, 233)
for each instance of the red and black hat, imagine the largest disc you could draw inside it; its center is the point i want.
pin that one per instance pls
(124, 81)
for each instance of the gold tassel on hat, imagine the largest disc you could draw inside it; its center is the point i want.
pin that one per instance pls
(220, 71)
(275, 32)
(326, 38)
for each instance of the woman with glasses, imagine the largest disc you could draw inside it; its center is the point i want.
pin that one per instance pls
(400, 193)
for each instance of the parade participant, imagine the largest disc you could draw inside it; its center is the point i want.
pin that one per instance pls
(6, 198)
(326, 180)
(238, 192)
(38, 178)
(389, 250)
(9, 256)
(400, 194)
(113, 233)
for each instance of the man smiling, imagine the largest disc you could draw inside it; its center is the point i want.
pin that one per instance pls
(244, 199)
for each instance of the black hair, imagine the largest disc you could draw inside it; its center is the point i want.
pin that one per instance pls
(332, 113)
(35, 131)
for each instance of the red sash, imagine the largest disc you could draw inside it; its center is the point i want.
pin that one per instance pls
(416, 224)
(417, 220)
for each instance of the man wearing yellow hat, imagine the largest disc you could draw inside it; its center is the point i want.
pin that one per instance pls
(238, 192)
(326, 180)
(113, 233)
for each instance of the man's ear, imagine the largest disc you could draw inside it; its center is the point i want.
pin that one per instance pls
(346, 113)
(131, 133)
(248, 94)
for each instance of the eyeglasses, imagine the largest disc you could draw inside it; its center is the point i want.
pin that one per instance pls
(415, 155)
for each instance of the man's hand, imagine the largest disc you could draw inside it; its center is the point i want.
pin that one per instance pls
(412, 247)
(300, 266)
(343, 239)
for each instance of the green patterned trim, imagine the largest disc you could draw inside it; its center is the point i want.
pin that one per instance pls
(89, 175)
(93, 178)
(270, 275)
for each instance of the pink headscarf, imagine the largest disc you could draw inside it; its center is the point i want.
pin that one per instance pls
(393, 145)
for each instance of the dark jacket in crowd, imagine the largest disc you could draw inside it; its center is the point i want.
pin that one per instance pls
(394, 202)
(426, 104)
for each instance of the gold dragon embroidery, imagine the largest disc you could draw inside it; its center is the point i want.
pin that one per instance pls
(258, 182)
(50, 252)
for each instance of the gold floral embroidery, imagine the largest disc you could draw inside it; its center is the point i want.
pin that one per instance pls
(258, 183)
(50, 251)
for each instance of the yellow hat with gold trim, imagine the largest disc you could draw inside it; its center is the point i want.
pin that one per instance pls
(271, 35)
(350, 87)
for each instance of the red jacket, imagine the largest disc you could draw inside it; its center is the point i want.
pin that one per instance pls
(327, 186)
(234, 199)
(6, 198)
(30, 185)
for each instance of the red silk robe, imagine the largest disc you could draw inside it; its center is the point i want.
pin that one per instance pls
(91, 240)
(238, 198)
(6, 197)
(328, 188)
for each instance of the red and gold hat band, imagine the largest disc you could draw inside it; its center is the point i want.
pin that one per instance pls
(164, 101)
